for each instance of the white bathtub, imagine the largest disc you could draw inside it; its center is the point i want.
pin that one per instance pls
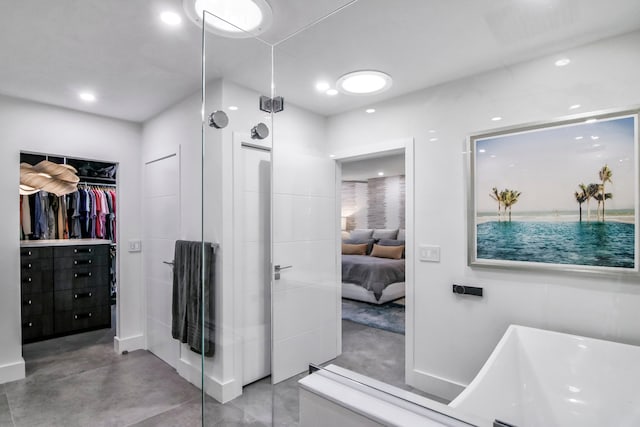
(542, 378)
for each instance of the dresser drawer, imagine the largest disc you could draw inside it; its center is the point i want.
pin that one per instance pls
(80, 299)
(36, 253)
(37, 304)
(73, 320)
(82, 251)
(80, 261)
(28, 265)
(36, 281)
(36, 327)
(81, 277)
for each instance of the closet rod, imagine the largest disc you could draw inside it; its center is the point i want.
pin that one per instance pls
(97, 184)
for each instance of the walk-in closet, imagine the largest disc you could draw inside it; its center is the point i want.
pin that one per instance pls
(68, 246)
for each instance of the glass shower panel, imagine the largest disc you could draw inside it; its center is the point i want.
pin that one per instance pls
(236, 210)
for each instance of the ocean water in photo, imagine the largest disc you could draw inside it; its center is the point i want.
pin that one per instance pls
(609, 244)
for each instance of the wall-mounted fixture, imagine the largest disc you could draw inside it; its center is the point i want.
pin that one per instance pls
(218, 119)
(259, 131)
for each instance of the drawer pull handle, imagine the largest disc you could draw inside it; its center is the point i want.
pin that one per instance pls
(28, 325)
(82, 316)
(29, 279)
(76, 275)
(82, 251)
(29, 253)
(83, 295)
(27, 302)
(82, 262)
(28, 265)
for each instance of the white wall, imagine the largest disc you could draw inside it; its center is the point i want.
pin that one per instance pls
(180, 126)
(453, 336)
(30, 126)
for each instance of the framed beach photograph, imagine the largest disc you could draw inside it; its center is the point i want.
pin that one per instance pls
(561, 195)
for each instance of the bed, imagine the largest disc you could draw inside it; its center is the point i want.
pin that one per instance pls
(372, 276)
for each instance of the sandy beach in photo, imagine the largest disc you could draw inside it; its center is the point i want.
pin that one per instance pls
(626, 219)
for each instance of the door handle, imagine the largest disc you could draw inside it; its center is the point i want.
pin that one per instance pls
(277, 268)
(168, 263)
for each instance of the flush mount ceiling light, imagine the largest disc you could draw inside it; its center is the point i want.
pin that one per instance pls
(87, 96)
(365, 82)
(170, 18)
(231, 18)
(562, 62)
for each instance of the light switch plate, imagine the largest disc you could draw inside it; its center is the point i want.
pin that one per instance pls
(429, 253)
(135, 245)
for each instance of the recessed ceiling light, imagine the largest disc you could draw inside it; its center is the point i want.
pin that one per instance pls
(579, 137)
(171, 18)
(370, 110)
(332, 155)
(366, 82)
(591, 120)
(575, 107)
(233, 108)
(562, 62)
(433, 139)
(482, 150)
(594, 137)
(380, 173)
(496, 118)
(231, 18)
(87, 96)
(322, 86)
(331, 92)
(493, 156)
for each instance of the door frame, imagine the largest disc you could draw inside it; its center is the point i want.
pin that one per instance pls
(238, 140)
(388, 146)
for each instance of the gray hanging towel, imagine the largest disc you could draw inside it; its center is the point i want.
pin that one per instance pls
(188, 298)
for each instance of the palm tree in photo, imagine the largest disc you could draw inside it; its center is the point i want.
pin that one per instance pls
(601, 198)
(581, 197)
(591, 191)
(495, 195)
(605, 175)
(510, 199)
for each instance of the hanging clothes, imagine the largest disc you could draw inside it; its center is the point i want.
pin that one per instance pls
(85, 213)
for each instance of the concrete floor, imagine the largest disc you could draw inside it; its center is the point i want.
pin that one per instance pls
(79, 381)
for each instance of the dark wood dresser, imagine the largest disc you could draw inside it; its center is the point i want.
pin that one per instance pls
(65, 287)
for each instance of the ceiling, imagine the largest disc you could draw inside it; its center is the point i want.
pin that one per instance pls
(363, 169)
(138, 66)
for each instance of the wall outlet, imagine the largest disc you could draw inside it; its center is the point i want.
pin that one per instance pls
(429, 253)
(135, 245)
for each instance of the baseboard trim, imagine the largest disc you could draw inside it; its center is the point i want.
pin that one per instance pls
(223, 392)
(135, 342)
(433, 384)
(12, 371)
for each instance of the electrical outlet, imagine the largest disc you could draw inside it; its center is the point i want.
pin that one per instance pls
(429, 253)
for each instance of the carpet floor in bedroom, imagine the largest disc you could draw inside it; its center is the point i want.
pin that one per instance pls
(388, 316)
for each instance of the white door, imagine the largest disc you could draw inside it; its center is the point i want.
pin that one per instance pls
(252, 245)
(161, 210)
(306, 296)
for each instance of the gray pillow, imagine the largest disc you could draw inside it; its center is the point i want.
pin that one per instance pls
(369, 243)
(391, 242)
(385, 234)
(401, 234)
(361, 233)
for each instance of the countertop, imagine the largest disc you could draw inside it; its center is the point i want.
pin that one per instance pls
(63, 242)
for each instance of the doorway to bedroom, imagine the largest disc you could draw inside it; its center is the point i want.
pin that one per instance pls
(373, 206)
